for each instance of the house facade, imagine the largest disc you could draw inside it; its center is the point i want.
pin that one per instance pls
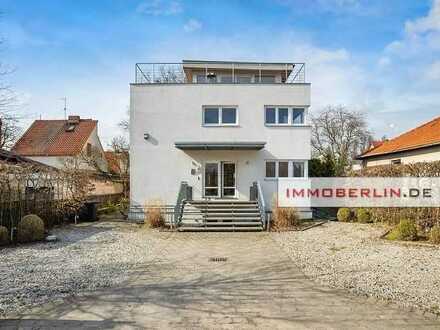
(219, 127)
(58, 142)
(421, 144)
(70, 143)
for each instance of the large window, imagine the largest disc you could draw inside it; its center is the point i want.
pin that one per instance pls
(284, 116)
(220, 116)
(285, 169)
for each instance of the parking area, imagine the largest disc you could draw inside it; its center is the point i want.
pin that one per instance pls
(251, 284)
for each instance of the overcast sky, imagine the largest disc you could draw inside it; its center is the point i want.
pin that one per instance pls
(381, 57)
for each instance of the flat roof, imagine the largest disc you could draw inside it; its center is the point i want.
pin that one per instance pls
(220, 145)
(235, 62)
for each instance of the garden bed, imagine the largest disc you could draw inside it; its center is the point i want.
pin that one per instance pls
(86, 257)
(353, 256)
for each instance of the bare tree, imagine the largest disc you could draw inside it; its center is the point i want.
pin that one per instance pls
(9, 129)
(121, 162)
(340, 134)
(124, 124)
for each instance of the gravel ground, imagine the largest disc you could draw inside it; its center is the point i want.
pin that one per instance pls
(351, 256)
(86, 257)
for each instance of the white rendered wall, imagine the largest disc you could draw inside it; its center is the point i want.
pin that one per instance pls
(407, 157)
(173, 113)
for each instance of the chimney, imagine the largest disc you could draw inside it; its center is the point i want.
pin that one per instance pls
(73, 120)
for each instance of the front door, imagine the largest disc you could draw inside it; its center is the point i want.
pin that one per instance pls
(220, 180)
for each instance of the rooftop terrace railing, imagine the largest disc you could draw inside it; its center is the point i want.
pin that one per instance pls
(210, 72)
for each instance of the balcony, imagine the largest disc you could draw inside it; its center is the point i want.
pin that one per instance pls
(219, 72)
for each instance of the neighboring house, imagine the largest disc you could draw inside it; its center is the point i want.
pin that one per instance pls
(73, 143)
(421, 144)
(218, 127)
(57, 142)
(11, 158)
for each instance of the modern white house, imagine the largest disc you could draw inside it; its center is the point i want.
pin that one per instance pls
(217, 134)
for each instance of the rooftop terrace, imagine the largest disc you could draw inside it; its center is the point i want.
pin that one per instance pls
(220, 72)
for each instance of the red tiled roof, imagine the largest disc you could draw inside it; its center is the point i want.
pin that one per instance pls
(423, 136)
(50, 138)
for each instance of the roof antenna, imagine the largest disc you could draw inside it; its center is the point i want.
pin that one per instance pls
(65, 106)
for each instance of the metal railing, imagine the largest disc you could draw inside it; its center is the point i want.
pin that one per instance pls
(174, 73)
(261, 204)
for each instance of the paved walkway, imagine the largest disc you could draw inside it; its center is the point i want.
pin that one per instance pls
(257, 287)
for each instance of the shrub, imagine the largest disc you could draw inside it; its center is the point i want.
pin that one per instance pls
(434, 234)
(344, 214)
(4, 236)
(284, 218)
(154, 214)
(406, 230)
(30, 229)
(363, 215)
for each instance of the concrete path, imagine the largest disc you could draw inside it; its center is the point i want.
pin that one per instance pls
(257, 287)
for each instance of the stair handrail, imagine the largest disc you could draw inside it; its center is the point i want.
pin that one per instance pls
(261, 203)
(181, 198)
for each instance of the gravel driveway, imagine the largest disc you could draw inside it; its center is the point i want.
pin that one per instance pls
(351, 256)
(86, 257)
(173, 283)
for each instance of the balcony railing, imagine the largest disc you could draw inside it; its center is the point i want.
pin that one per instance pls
(219, 72)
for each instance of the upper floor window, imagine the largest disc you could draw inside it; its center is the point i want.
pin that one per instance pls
(284, 116)
(220, 116)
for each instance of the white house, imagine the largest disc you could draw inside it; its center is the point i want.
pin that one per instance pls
(219, 127)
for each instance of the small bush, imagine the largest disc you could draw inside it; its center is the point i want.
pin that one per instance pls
(344, 214)
(284, 218)
(434, 234)
(30, 229)
(406, 230)
(154, 215)
(363, 215)
(4, 236)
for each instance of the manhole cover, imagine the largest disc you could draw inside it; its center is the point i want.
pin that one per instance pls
(218, 259)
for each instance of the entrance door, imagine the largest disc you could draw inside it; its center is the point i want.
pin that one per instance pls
(220, 180)
(228, 179)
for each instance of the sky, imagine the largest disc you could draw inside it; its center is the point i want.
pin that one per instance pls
(378, 57)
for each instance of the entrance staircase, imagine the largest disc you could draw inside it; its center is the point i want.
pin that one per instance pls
(220, 215)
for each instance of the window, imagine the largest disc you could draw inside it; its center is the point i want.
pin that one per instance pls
(270, 116)
(297, 116)
(284, 116)
(241, 79)
(285, 169)
(220, 116)
(298, 169)
(211, 116)
(229, 116)
(201, 78)
(267, 79)
(226, 79)
(270, 169)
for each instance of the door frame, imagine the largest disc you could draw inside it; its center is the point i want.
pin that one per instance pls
(220, 180)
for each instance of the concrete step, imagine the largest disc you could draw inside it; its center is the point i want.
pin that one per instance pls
(226, 229)
(221, 220)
